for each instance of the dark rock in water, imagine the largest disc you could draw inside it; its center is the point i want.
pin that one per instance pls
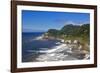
(79, 54)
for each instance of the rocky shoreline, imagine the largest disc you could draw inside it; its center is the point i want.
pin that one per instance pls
(63, 53)
(67, 50)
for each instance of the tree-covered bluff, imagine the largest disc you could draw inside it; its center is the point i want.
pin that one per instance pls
(70, 31)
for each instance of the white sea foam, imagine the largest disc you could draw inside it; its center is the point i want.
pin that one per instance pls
(39, 37)
(53, 49)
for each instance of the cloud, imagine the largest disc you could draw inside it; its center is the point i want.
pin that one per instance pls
(76, 23)
(70, 22)
(66, 21)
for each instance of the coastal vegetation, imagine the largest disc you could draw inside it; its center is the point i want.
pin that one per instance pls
(71, 32)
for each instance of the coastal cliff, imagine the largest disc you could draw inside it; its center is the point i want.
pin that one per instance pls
(70, 34)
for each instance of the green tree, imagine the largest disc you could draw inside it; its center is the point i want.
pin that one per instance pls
(53, 32)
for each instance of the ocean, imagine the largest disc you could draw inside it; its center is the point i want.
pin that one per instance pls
(31, 46)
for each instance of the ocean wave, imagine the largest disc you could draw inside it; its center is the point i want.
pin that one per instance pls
(54, 49)
(50, 50)
(38, 38)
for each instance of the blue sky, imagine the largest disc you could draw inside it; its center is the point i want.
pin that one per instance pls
(41, 21)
